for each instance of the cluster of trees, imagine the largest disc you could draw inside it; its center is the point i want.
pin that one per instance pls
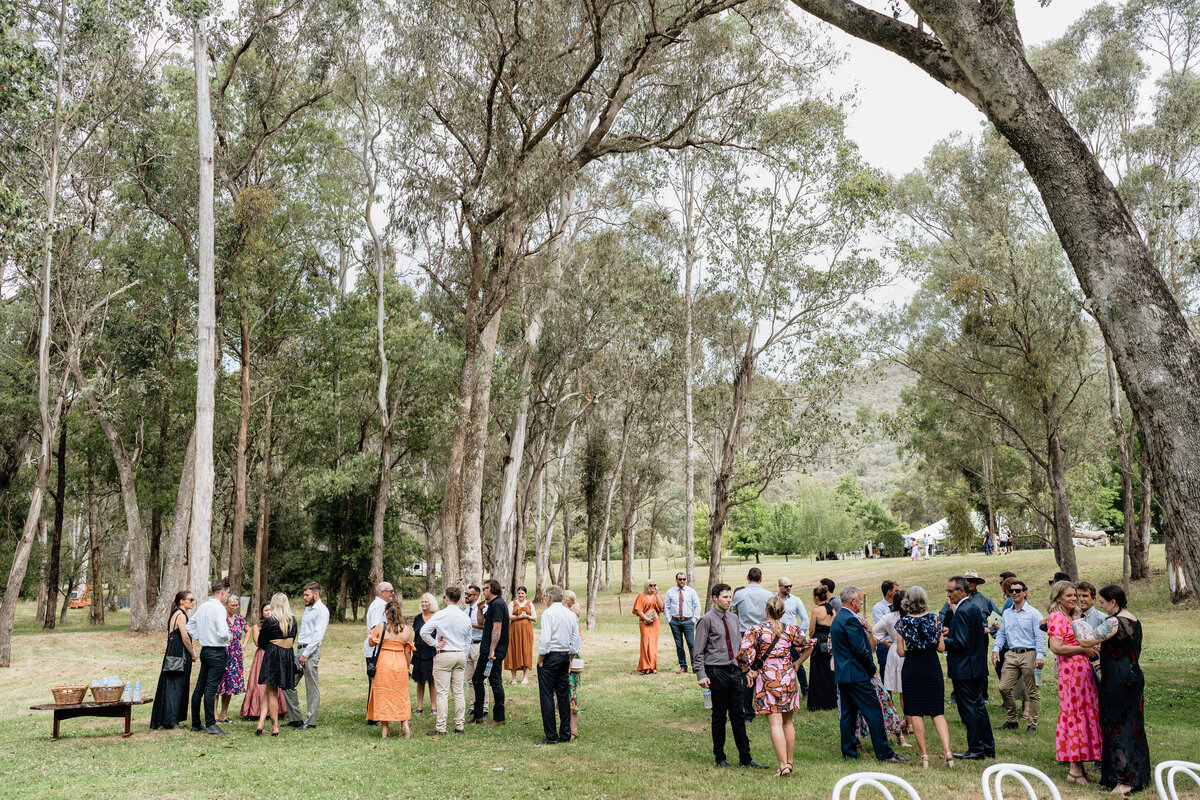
(311, 289)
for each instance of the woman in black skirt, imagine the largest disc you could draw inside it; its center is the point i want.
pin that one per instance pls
(277, 638)
(422, 665)
(920, 641)
(171, 698)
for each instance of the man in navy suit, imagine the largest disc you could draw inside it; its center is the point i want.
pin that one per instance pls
(853, 668)
(967, 666)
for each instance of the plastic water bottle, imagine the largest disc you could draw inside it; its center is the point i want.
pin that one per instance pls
(1037, 677)
(127, 696)
(137, 692)
(487, 670)
(708, 698)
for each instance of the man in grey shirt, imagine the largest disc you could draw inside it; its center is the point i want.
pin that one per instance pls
(750, 605)
(717, 643)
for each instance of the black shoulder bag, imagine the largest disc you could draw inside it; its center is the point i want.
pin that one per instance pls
(374, 659)
(173, 663)
(757, 663)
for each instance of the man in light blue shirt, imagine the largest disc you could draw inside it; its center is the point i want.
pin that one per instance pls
(878, 612)
(794, 613)
(750, 606)
(683, 611)
(1021, 635)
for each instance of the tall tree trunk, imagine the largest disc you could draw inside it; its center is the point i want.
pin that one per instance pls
(977, 51)
(627, 527)
(49, 419)
(237, 554)
(60, 502)
(154, 561)
(258, 589)
(382, 488)
(96, 614)
(729, 445)
(989, 482)
(133, 520)
(206, 330)
(174, 573)
(470, 545)
(562, 489)
(594, 568)
(689, 427)
(1125, 466)
(1064, 540)
(564, 564)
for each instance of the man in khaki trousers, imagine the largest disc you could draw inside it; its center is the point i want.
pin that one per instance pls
(1024, 641)
(449, 631)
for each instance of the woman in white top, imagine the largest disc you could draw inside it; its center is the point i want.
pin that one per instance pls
(885, 632)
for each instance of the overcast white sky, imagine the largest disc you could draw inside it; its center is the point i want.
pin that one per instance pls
(902, 112)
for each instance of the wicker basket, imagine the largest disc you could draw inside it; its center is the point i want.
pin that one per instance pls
(69, 695)
(107, 694)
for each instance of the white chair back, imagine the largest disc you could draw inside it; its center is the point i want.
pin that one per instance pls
(876, 780)
(1171, 769)
(996, 773)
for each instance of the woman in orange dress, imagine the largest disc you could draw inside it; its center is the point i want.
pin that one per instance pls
(520, 637)
(648, 608)
(389, 700)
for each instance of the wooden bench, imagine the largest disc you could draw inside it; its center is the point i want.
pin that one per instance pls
(73, 710)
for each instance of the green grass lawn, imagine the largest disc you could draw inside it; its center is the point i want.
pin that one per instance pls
(640, 737)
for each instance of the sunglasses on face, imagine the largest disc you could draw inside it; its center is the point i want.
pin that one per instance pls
(654, 586)
(1016, 591)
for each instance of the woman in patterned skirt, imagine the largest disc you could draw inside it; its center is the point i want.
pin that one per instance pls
(1077, 736)
(574, 677)
(767, 651)
(233, 681)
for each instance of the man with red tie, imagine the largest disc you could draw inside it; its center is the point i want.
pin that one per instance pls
(683, 610)
(718, 638)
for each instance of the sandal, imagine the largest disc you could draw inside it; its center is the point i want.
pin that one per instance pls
(783, 773)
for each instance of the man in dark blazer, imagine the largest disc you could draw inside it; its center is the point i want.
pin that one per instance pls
(853, 668)
(967, 667)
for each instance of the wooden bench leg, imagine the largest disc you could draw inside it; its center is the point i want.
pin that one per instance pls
(56, 719)
(128, 709)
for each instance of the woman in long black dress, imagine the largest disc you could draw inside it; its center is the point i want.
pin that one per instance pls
(276, 637)
(171, 697)
(1125, 756)
(822, 691)
(924, 688)
(422, 665)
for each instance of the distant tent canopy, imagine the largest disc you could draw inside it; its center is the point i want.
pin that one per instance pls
(936, 531)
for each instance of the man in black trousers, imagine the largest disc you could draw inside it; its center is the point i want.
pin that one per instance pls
(967, 666)
(718, 638)
(853, 667)
(209, 628)
(492, 649)
(558, 642)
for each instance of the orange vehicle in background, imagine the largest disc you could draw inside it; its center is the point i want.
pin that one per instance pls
(80, 598)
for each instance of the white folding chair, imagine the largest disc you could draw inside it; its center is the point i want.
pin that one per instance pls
(1172, 768)
(996, 773)
(877, 780)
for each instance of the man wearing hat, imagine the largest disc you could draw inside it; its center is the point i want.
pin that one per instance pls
(977, 598)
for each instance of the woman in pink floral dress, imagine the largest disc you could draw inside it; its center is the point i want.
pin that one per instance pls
(1077, 737)
(234, 680)
(771, 648)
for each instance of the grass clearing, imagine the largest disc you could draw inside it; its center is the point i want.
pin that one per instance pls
(640, 737)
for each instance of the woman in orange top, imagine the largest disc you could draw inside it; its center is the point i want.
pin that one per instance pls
(520, 637)
(389, 689)
(648, 608)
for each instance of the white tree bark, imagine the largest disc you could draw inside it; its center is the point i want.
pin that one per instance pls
(689, 427)
(206, 331)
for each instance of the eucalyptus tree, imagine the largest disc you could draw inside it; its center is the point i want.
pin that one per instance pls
(976, 50)
(499, 87)
(999, 330)
(789, 271)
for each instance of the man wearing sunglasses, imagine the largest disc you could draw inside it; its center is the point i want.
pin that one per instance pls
(683, 611)
(1021, 634)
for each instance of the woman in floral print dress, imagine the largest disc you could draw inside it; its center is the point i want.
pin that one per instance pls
(776, 686)
(234, 680)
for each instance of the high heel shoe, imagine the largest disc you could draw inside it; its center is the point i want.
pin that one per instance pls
(949, 759)
(258, 731)
(924, 762)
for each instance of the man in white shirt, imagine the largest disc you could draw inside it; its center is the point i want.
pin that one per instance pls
(313, 625)
(683, 612)
(449, 631)
(878, 612)
(558, 643)
(383, 595)
(209, 627)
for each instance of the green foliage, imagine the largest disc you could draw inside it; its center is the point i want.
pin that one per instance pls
(784, 534)
(960, 530)
(749, 525)
(876, 523)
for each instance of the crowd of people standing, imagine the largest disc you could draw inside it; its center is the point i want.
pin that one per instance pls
(749, 651)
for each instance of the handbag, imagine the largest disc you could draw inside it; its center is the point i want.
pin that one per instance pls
(576, 664)
(757, 663)
(173, 663)
(374, 659)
